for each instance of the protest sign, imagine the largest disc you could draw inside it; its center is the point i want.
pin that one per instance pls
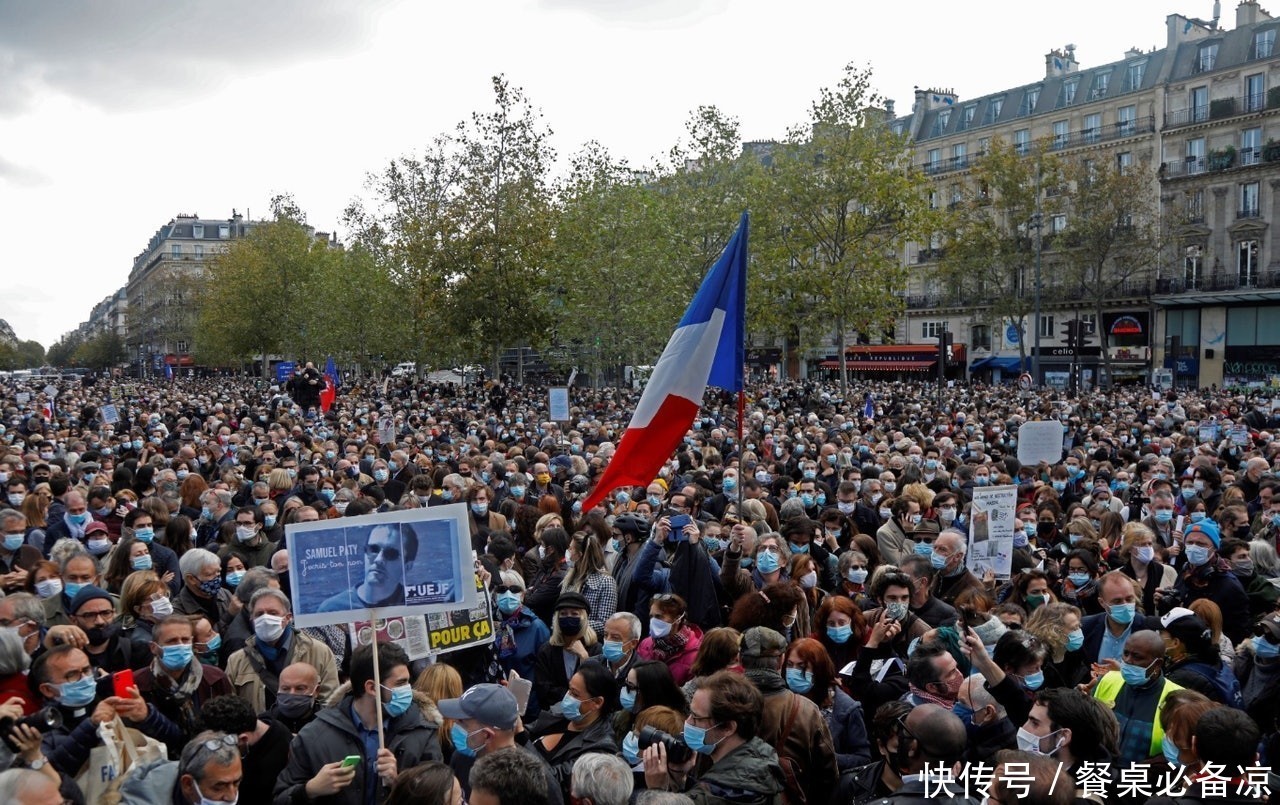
(1240, 436)
(110, 414)
(558, 403)
(991, 530)
(437, 633)
(1040, 441)
(285, 370)
(408, 562)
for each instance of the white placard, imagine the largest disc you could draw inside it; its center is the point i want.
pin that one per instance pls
(558, 403)
(110, 414)
(991, 530)
(1040, 441)
(51, 391)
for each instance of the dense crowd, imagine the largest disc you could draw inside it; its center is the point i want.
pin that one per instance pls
(785, 614)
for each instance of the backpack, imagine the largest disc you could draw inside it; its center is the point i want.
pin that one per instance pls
(1224, 679)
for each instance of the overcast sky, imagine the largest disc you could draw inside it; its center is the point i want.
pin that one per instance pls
(117, 115)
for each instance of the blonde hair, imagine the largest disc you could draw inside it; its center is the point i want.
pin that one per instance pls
(1132, 533)
(1049, 623)
(440, 681)
(588, 636)
(919, 493)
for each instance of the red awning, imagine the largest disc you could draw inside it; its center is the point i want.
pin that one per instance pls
(882, 366)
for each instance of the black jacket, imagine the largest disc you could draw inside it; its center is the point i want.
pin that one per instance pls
(596, 738)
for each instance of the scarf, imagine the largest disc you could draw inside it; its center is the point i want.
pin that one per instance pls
(664, 648)
(76, 531)
(177, 693)
(507, 635)
(925, 696)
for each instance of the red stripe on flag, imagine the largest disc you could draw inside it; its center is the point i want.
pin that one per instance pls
(642, 451)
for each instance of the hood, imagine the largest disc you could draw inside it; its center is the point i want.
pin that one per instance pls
(430, 713)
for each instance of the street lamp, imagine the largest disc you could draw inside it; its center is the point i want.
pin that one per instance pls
(1037, 221)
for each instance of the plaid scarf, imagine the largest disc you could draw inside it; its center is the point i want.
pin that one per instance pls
(925, 696)
(179, 692)
(664, 648)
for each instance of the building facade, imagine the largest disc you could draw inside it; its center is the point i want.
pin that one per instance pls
(1198, 117)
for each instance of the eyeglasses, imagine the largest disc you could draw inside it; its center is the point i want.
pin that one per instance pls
(508, 588)
(391, 552)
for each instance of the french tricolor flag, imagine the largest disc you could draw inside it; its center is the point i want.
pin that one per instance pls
(705, 350)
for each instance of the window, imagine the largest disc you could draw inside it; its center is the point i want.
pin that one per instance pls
(1124, 161)
(1101, 82)
(1092, 128)
(1193, 267)
(1057, 223)
(1199, 104)
(984, 145)
(1249, 207)
(1255, 92)
(1134, 75)
(959, 155)
(967, 119)
(182, 348)
(957, 196)
(1069, 88)
(1264, 42)
(933, 199)
(1194, 206)
(1251, 146)
(994, 109)
(175, 251)
(1022, 140)
(1061, 133)
(199, 250)
(1247, 261)
(224, 231)
(1195, 155)
(1126, 119)
(197, 230)
(932, 329)
(980, 336)
(1029, 101)
(934, 160)
(1046, 325)
(1207, 57)
(1090, 322)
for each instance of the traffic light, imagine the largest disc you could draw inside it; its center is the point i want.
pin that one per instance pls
(1071, 331)
(945, 341)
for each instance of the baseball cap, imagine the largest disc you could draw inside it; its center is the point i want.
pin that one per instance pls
(491, 705)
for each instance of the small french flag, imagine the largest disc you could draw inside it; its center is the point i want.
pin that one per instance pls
(706, 349)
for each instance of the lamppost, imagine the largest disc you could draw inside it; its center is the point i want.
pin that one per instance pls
(1037, 221)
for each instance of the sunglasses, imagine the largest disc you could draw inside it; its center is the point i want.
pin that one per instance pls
(508, 588)
(390, 552)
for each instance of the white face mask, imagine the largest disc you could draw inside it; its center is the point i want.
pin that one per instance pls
(268, 628)
(809, 580)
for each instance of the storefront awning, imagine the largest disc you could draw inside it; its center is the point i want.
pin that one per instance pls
(1003, 364)
(882, 366)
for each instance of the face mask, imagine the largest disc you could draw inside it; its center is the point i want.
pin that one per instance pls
(1197, 554)
(479, 509)
(15, 500)
(206, 513)
(798, 548)
(1034, 681)
(269, 520)
(459, 736)
(294, 705)
(13, 542)
(1036, 601)
(631, 749)
(896, 610)
(767, 561)
(890, 487)
(809, 580)
(1075, 640)
(1020, 539)
(142, 562)
(1031, 743)
(542, 551)
(571, 708)
(799, 681)
(268, 628)
(543, 478)
(175, 658)
(341, 507)
(947, 516)
(1045, 530)
(857, 575)
(98, 547)
(508, 603)
(1135, 675)
(1170, 751)
(1030, 528)
(77, 694)
(246, 533)
(938, 561)
(517, 492)
(214, 644)
(1188, 493)
(627, 699)
(569, 624)
(1163, 515)
(924, 549)
(1123, 613)
(162, 607)
(1263, 648)
(145, 535)
(1243, 567)
(49, 588)
(1078, 579)
(1059, 486)
(696, 739)
(612, 650)
(658, 628)
(1146, 553)
(234, 578)
(846, 508)
(401, 698)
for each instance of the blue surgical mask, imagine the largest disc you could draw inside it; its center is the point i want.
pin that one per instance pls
(1075, 640)
(1135, 675)
(79, 693)
(1034, 681)
(696, 739)
(924, 549)
(1123, 613)
(13, 542)
(963, 712)
(269, 520)
(145, 535)
(401, 698)
(508, 603)
(767, 561)
(570, 707)
(459, 736)
(1197, 555)
(175, 658)
(1078, 579)
(1020, 539)
(234, 578)
(142, 562)
(627, 699)
(328, 494)
(1170, 750)
(1198, 517)
(937, 560)
(631, 749)
(857, 575)
(71, 588)
(1264, 649)
(1059, 486)
(1163, 515)
(798, 548)
(840, 634)
(799, 681)
(479, 509)
(612, 650)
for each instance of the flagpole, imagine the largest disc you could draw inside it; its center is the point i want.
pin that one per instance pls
(742, 391)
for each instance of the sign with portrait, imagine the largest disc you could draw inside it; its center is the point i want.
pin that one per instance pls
(410, 562)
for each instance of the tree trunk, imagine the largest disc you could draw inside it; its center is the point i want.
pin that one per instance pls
(844, 362)
(1102, 344)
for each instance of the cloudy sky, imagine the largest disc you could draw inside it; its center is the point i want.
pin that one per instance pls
(117, 115)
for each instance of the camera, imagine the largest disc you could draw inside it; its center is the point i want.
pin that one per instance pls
(1169, 599)
(677, 752)
(44, 720)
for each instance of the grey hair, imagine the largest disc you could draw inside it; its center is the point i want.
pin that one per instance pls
(865, 489)
(512, 578)
(1264, 558)
(195, 757)
(197, 559)
(604, 779)
(9, 515)
(13, 657)
(16, 782)
(633, 623)
(791, 507)
(223, 496)
(255, 579)
(27, 607)
(655, 797)
(66, 549)
(267, 592)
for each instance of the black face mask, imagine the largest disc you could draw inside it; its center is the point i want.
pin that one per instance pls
(1045, 530)
(570, 624)
(101, 634)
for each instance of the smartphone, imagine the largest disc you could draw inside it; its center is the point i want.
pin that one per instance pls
(122, 681)
(678, 522)
(351, 760)
(520, 688)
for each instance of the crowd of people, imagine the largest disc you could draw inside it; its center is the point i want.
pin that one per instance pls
(785, 615)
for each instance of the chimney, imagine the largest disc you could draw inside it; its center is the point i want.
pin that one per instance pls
(1060, 62)
(919, 105)
(888, 107)
(1249, 12)
(936, 98)
(1133, 53)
